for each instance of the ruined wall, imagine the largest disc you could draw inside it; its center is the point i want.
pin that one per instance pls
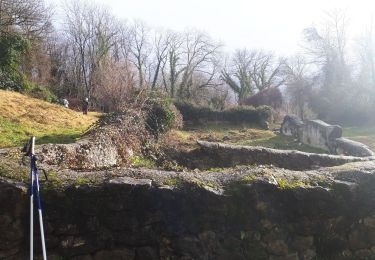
(226, 155)
(127, 218)
(319, 134)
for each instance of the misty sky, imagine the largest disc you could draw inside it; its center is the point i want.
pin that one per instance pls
(266, 24)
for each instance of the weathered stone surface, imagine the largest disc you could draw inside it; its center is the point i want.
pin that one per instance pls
(349, 147)
(125, 254)
(319, 134)
(80, 155)
(293, 256)
(231, 155)
(131, 181)
(291, 126)
(277, 247)
(255, 217)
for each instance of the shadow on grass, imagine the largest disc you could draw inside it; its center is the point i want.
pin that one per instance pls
(58, 138)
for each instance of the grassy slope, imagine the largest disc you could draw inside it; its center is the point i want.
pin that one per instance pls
(364, 135)
(22, 116)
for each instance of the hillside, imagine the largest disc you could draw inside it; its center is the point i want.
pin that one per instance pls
(22, 116)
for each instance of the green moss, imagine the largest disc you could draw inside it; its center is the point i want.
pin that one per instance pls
(139, 161)
(217, 169)
(174, 182)
(287, 184)
(248, 179)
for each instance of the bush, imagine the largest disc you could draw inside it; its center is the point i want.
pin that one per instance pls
(11, 81)
(235, 115)
(161, 114)
(12, 47)
(40, 92)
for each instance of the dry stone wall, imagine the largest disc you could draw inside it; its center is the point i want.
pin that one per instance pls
(227, 155)
(254, 218)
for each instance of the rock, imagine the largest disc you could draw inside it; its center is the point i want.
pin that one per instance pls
(363, 253)
(293, 256)
(124, 254)
(319, 134)
(278, 247)
(146, 253)
(291, 126)
(301, 244)
(308, 254)
(227, 155)
(356, 240)
(131, 181)
(349, 147)
(369, 221)
(81, 257)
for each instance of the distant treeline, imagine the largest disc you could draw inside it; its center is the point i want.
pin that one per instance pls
(94, 54)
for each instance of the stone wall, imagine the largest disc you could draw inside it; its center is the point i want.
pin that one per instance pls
(319, 134)
(247, 218)
(226, 155)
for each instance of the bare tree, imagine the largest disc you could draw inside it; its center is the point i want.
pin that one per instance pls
(299, 83)
(117, 80)
(325, 48)
(366, 53)
(239, 74)
(172, 67)
(199, 56)
(91, 30)
(251, 71)
(266, 71)
(161, 45)
(140, 49)
(31, 17)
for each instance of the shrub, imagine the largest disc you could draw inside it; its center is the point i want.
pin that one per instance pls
(40, 92)
(12, 47)
(235, 115)
(11, 81)
(161, 114)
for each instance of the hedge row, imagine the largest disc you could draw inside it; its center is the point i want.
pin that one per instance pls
(236, 115)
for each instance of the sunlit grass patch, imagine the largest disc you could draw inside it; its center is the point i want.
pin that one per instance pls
(361, 134)
(282, 142)
(22, 117)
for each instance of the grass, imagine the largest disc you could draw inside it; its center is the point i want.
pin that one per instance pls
(364, 135)
(22, 117)
(237, 134)
(283, 143)
(139, 161)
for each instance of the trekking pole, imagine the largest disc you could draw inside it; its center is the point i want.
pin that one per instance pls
(31, 152)
(34, 176)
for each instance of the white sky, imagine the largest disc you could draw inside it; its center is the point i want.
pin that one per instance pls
(274, 25)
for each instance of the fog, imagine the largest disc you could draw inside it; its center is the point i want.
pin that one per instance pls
(268, 24)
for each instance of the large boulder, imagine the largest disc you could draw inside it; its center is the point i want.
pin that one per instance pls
(319, 134)
(291, 126)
